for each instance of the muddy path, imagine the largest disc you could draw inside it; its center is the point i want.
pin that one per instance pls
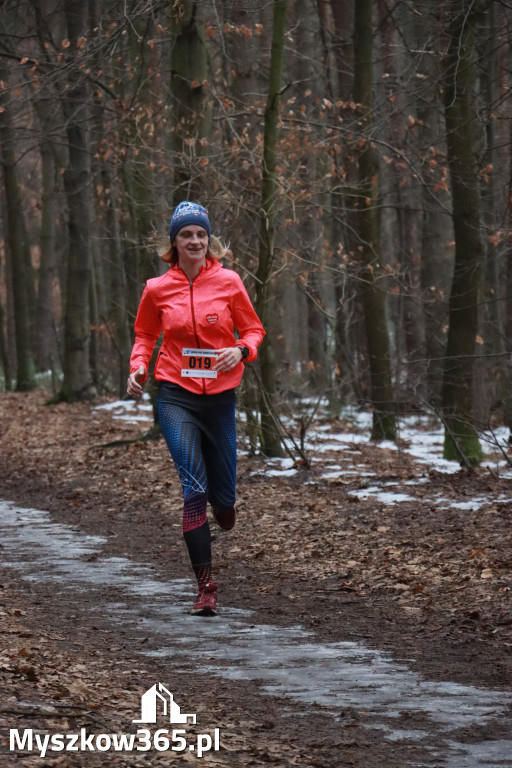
(305, 665)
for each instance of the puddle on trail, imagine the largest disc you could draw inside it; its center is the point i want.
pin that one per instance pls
(285, 661)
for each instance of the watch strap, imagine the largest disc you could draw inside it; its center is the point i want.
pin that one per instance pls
(245, 351)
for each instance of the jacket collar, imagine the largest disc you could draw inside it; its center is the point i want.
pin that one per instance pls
(212, 266)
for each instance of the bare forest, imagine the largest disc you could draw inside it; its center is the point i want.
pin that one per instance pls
(355, 155)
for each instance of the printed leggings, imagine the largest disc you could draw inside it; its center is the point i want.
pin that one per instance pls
(200, 433)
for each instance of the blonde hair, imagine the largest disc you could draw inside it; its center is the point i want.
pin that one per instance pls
(216, 250)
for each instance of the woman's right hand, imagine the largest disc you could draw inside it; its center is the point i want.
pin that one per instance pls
(133, 387)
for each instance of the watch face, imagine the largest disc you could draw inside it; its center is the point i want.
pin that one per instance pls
(245, 353)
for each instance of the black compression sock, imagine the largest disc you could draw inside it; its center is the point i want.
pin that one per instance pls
(198, 543)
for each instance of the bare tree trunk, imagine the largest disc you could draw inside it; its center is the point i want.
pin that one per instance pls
(461, 438)
(436, 222)
(188, 94)
(77, 382)
(94, 320)
(497, 380)
(340, 33)
(270, 439)
(507, 287)
(384, 421)
(45, 328)
(336, 26)
(242, 61)
(310, 233)
(137, 178)
(405, 193)
(436, 277)
(4, 357)
(17, 248)
(119, 310)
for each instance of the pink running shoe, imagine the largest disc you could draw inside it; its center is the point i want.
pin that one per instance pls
(225, 517)
(206, 602)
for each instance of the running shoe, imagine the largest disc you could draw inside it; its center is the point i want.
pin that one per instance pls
(225, 517)
(206, 602)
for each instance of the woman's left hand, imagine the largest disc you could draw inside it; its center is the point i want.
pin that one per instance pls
(228, 358)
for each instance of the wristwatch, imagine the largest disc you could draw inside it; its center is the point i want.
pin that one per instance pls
(244, 350)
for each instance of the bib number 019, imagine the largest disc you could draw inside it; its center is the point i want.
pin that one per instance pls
(198, 363)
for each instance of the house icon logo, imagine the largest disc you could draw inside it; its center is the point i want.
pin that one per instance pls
(158, 696)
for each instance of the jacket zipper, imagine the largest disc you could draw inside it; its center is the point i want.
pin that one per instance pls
(194, 325)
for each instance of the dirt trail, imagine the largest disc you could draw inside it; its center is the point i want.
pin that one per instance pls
(287, 563)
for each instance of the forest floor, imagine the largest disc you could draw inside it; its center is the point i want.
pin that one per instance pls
(426, 583)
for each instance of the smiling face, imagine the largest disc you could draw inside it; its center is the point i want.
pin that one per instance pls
(192, 245)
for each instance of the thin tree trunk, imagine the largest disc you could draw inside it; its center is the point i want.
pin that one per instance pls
(337, 22)
(405, 193)
(242, 62)
(118, 285)
(495, 296)
(94, 322)
(4, 357)
(138, 180)
(384, 420)
(270, 438)
(45, 329)
(188, 95)
(17, 249)
(77, 382)
(437, 255)
(461, 438)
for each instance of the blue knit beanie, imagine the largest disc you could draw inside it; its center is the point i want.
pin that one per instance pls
(189, 213)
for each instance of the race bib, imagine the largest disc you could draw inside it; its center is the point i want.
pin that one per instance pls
(198, 363)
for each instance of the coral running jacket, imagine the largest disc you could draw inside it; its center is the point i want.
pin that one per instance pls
(197, 315)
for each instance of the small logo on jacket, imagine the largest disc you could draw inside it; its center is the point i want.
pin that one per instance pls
(212, 318)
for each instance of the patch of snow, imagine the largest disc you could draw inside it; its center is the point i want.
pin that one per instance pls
(376, 493)
(284, 463)
(279, 468)
(133, 411)
(389, 445)
(341, 440)
(444, 466)
(119, 406)
(361, 419)
(492, 441)
(423, 435)
(280, 472)
(471, 505)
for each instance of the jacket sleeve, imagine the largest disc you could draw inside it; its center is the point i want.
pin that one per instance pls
(148, 324)
(245, 320)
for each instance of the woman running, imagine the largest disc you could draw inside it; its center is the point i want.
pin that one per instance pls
(197, 304)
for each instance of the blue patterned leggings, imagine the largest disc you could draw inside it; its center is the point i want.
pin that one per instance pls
(200, 433)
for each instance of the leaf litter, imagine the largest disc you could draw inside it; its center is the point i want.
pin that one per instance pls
(434, 554)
